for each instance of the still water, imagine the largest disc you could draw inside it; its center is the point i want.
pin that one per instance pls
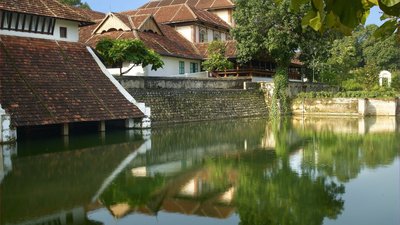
(248, 172)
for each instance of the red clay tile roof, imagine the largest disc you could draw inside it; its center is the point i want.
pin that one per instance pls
(50, 8)
(199, 4)
(181, 13)
(171, 43)
(53, 82)
(92, 15)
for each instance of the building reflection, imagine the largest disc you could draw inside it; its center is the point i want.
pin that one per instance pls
(251, 168)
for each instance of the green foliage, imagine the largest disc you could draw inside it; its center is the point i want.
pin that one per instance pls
(76, 3)
(346, 15)
(266, 27)
(217, 60)
(116, 52)
(383, 94)
(382, 52)
(280, 99)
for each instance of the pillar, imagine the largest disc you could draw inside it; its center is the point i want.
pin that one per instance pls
(102, 126)
(65, 129)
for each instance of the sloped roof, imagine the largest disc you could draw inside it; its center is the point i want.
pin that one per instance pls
(52, 82)
(180, 13)
(171, 43)
(199, 4)
(50, 8)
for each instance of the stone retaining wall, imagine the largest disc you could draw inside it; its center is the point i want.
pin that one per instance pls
(346, 106)
(181, 105)
(181, 83)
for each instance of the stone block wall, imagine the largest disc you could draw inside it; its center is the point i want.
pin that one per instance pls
(181, 105)
(346, 106)
(328, 106)
(181, 83)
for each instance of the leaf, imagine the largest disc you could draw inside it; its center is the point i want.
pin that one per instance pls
(375, 2)
(390, 3)
(386, 29)
(392, 11)
(306, 19)
(385, 16)
(316, 22)
(296, 4)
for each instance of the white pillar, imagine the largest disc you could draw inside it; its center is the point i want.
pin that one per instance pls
(8, 133)
(65, 129)
(102, 126)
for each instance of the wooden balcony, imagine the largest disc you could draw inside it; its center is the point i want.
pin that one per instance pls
(295, 75)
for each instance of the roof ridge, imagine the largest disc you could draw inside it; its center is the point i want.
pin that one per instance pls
(45, 5)
(176, 13)
(191, 10)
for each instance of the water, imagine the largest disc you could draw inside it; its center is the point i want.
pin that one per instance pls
(247, 172)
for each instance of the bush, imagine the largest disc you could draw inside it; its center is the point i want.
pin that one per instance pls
(384, 93)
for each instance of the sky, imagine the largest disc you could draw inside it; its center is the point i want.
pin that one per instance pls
(124, 5)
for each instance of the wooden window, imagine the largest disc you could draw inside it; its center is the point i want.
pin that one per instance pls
(194, 67)
(203, 37)
(63, 32)
(217, 36)
(181, 67)
(26, 23)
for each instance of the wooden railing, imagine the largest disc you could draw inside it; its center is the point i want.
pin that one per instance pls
(252, 72)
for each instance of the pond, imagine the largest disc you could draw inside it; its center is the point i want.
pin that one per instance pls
(248, 172)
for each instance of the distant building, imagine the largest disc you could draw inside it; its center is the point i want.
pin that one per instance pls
(48, 78)
(180, 31)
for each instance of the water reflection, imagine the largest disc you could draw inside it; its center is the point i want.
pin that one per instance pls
(245, 172)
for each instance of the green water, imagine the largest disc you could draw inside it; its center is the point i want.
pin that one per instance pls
(248, 172)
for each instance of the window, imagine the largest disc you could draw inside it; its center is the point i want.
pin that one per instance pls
(26, 23)
(194, 67)
(181, 67)
(203, 36)
(217, 36)
(63, 32)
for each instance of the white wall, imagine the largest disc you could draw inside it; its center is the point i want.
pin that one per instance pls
(171, 68)
(224, 14)
(72, 32)
(186, 32)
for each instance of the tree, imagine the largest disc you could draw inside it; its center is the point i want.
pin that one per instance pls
(346, 15)
(264, 27)
(216, 58)
(383, 52)
(76, 3)
(116, 52)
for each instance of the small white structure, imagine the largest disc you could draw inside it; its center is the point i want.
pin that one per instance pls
(384, 74)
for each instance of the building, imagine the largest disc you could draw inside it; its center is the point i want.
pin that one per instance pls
(161, 24)
(179, 55)
(48, 78)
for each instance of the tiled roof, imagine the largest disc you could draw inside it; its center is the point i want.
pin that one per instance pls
(53, 82)
(199, 4)
(91, 14)
(180, 13)
(171, 43)
(50, 8)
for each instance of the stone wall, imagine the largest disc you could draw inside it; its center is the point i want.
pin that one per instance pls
(328, 106)
(181, 105)
(294, 87)
(181, 83)
(346, 106)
